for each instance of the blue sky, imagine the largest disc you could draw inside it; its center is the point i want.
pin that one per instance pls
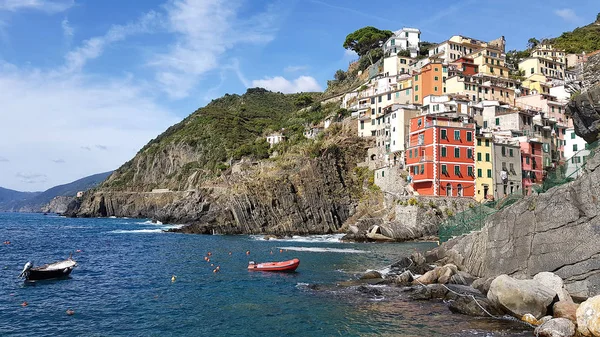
(85, 84)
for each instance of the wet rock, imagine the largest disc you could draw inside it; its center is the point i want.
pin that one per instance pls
(519, 297)
(353, 283)
(428, 278)
(556, 327)
(463, 278)
(369, 291)
(588, 317)
(529, 318)
(428, 292)
(445, 273)
(565, 309)
(483, 284)
(555, 283)
(467, 305)
(418, 258)
(403, 279)
(372, 274)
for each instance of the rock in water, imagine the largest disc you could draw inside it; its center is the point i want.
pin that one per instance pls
(588, 317)
(555, 283)
(483, 284)
(519, 297)
(467, 306)
(373, 274)
(565, 309)
(557, 327)
(530, 319)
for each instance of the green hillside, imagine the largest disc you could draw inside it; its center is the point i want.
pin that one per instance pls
(582, 39)
(227, 129)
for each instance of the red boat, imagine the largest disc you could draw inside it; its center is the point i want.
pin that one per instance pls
(290, 265)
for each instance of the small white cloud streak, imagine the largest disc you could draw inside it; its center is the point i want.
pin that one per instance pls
(293, 69)
(567, 14)
(48, 6)
(68, 31)
(280, 84)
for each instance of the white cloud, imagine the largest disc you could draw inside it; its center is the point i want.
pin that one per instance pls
(68, 31)
(567, 14)
(59, 161)
(50, 115)
(48, 6)
(278, 83)
(204, 31)
(293, 69)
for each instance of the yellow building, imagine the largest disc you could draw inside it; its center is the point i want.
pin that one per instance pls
(490, 61)
(484, 179)
(480, 87)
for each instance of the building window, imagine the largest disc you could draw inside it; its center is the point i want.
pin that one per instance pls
(436, 78)
(512, 167)
(448, 190)
(416, 97)
(389, 96)
(478, 156)
(469, 136)
(478, 141)
(573, 135)
(503, 151)
(435, 88)
(422, 169)
(362, 125)
(489, 173)
(470, 153)
(527, 160)
(444, 134)
(470, 171)
(416, 88)
(484, 122)
(487, 157)
(382, 174)
(444, 151)
(487, 143)
(497, 121)
(457, 152)
(435, 69)
(479, 173)
(444, 170)
(416, 77)
(574, 147)
(575, 160)
(456, 134)
(409, 153)
(459, 190)
(457, 170)
(531, 71)
(419, 122)
(379, 99)
(552, 109)
(511, 153)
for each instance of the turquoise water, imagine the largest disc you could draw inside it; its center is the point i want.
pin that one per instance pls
(123, 287)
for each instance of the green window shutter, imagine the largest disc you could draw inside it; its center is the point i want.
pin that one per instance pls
(574, 147)
(497, 121)
(489, 173)
(457, 170)
(469, 171)
(573, 135)
(443, 152)
(456, 152)
(469, 153)
(479, 174)
(511, 153)
(456, 134)
(469, 136)
(487, 157)
(444, 134)
(478, 142)
(478, 156)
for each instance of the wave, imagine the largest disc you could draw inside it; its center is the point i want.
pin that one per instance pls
(150, 222)
(330, 238)
(325, 250)
(124, 231)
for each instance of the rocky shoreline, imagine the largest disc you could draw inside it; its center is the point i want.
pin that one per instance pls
(541, 303)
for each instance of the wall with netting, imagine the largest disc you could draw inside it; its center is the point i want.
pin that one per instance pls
(473, 218)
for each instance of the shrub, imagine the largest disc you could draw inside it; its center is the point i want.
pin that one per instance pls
(449, 212)
(412, 201)
(340, 75)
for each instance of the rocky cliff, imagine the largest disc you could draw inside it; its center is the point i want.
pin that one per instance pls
(306, 187)
(57, 205)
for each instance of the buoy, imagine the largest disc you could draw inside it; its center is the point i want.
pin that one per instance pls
(70, 312)
(173, 278)
(229, 253)
(209, 254)
(281, 250)
(78, 251)
(212, 264)
(24, 304)
(247, 252)
(271, 253)
(207, 260)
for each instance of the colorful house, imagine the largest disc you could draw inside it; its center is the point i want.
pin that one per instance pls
(440, 156)
(429, 81)
(532, 163)
(484, 181)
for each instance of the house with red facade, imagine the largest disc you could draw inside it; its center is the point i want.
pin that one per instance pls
(531, 163)
(440, 156)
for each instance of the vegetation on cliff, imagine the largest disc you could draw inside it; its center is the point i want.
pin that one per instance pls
(581, 39)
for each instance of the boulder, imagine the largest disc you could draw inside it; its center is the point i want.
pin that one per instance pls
(372, 274)
(462, 278)
(428, 278)
(585, 112)
(418, 258)
(428, 292)
(555, 283)
(404, 278)
(445, 273)
(556, 327)
(483, 284)
(565, 309)
(588, 317)
(369, 291)
(466, 305)
(519, 297)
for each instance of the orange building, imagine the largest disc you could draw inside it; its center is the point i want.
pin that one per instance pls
(464, 66)
(440, 156)
(429, 81)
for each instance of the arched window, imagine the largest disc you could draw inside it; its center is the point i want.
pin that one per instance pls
(459, 190)
(448, 190)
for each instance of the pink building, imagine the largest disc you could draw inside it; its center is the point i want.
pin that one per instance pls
(532, 164)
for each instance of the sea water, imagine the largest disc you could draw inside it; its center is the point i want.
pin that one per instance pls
(134, 279)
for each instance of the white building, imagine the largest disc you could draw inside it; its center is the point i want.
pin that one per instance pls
(400, 116)
(433, 104)
(275, 138)
(403, 39)
(576, 152)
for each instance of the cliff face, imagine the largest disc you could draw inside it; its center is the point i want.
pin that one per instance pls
(57, 205)
(312, 188)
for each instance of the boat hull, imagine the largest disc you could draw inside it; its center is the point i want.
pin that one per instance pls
(37, 275)
(284, 266)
